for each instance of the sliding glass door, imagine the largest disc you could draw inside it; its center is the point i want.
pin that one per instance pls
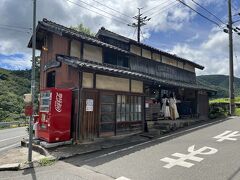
(120, 113)
(107, 117)
(128, 113)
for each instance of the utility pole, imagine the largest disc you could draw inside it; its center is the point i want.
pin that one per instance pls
(32, 83)
(138, 24)
(141, 21)
(231, 74)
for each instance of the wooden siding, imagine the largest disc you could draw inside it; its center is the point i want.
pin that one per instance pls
(161, 70)
(146, 53)
(136, 86)
(112, 83)
(135, 49)
(156, 56)
(188, 67)
(87, 80)
(75, 49)
(169, 61)
(92, 53)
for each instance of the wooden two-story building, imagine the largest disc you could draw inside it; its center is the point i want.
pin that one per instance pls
(124, 79)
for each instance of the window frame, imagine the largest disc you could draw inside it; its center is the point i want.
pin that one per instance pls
(51, 82)
(116, 58)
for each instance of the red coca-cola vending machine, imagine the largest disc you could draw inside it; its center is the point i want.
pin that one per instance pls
(54, 121)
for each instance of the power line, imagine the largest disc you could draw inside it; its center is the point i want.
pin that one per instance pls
(154, 7)
(12, 29)
(237, 14)
(16, 27)
(205, 17)
(163, 10)
(96, 12)
(112, 9)
(236, 21)
(208, 11)
(101, 10)
(134, 32)
(142, 35)
(234, 7)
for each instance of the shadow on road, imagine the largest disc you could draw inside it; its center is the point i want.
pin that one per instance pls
(234, 174)
(107, 155)
(30, 171)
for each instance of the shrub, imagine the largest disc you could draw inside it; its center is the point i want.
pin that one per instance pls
(217, 111)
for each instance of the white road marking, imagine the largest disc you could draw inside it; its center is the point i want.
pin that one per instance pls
(181, 161)
(12, 138)
(147, 142)
(7, 147)
(227, 135)
(122, 178)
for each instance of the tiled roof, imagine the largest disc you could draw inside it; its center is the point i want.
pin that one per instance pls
(62, 30)
(85, 64)
(104, 31)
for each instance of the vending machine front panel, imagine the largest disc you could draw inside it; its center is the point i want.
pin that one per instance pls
(44, 114)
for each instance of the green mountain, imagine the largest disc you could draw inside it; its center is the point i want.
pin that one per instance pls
(13, 84)
(220, 83)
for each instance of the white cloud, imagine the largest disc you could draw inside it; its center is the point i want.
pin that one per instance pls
(16, 63)
(165, 18)
(193, 38)
(212, 53)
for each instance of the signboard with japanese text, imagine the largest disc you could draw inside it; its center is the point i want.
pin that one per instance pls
(89, 104)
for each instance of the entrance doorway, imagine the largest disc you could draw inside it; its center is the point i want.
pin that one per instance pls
(89, 120)
(107, 115)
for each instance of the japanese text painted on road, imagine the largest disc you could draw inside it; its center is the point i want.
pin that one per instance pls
(181, 161)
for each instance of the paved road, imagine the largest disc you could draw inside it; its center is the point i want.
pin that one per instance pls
(211, 158)
(10, 138)
(208, 158)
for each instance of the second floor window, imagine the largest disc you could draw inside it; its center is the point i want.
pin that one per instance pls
(112, 57)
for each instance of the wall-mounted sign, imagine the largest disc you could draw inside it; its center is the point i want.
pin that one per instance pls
(89, 104)
(146, 105)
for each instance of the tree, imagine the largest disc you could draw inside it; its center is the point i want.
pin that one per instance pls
(81, 28)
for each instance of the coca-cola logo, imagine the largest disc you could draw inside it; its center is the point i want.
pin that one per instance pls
(58, 102)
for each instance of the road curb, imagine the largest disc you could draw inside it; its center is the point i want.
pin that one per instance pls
(37, 148)
(10, 167)
(77, 154)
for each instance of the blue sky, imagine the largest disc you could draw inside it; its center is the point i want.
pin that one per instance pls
(175, 29)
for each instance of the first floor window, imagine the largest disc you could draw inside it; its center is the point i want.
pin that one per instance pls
(120, 112)
(128, 112)
(129, 108)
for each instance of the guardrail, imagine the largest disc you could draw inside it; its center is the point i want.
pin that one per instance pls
(13, 123)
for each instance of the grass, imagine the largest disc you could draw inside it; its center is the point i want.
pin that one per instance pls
(13, 126)
(224, 100)
(47, 161)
